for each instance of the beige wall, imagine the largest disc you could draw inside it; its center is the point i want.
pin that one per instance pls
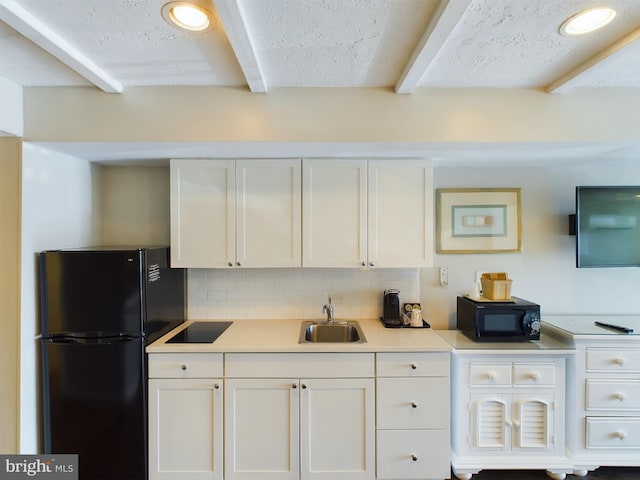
(10, 180)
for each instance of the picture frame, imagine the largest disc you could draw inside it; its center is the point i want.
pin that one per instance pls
(478, 220)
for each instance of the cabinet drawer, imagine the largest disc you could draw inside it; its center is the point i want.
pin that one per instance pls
(185, 365)
(534, 374)
(619, 360)
(608, 395)
(412, 364)
(412, 403)
(485, 374)
(413, 454)
(610, 432)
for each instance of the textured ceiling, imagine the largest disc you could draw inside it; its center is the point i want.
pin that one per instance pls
(261, 44)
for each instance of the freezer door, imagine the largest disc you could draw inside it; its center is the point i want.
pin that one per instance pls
(95, 405)
(88, 291)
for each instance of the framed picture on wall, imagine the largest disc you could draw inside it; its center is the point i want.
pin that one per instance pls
(478, 220)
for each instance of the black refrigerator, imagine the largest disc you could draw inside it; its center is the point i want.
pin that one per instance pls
(99, 308)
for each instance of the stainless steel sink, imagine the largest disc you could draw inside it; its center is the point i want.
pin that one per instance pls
(333, 332)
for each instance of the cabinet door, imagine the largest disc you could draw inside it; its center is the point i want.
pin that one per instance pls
(490, 422)
(268, 213)
(337, 429)
(334, 213)
(185, 429)
(400, 213)
(202, 213)
(533, 422)
(261, 429)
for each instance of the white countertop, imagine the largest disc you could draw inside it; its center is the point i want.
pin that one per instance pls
(545, 345)
(584, 325)
(282, 336)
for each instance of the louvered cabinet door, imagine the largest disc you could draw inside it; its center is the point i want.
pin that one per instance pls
(533, 422)
(490, 419)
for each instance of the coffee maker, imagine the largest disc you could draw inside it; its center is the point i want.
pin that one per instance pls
(391, 307)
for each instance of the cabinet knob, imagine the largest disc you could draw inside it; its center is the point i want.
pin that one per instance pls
(491, 376)
(238, 264)
(304, 386)
(619, 396)
(295, 385)
(535, 376)
(414, 366)
(216, 386)
(414, 405)
(372, 264)
(620, 435)
(508, 423)
(230, 264)
(414, 458)
(516, 424)
(364, 264)
(183, 367)
(619, 361)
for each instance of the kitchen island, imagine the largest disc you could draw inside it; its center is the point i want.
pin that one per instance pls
(258, 404)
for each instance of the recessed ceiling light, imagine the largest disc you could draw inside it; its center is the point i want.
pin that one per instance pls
(588, 21)
(187, 15)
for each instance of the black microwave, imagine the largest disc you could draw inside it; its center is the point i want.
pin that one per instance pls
(516, 320)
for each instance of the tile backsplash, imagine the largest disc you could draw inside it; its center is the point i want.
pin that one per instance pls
(295, 293)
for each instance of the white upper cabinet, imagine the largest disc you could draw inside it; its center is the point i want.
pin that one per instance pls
(400, 222)
(203, 213)
(334, 213)
(235, 213)
(268, 213)
(367, 213)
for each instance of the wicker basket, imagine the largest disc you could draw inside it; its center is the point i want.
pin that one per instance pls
(496, 286)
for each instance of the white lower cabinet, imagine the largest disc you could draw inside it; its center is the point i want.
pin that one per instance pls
(412, 404)
(510, 409)
(185, 417)
(287, 422)
(603, 423)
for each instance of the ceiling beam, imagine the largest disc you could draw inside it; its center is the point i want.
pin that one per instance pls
(444, 20)
(597, 62)
(39, 33)
(232, 16)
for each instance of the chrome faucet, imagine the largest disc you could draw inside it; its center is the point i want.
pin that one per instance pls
(328, 311)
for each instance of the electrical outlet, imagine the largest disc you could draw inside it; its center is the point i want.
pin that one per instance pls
(444, 276)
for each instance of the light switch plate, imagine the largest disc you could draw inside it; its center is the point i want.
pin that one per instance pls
(444, 276)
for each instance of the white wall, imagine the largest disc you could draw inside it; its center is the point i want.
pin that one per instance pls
(135, 206)
(11, 113)
(60, 208)
(545, 271)
(10, 168)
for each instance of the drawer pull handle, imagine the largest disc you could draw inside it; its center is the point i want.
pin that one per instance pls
(620, 435)
(619, 361)
(413, 366)
(183, 367)
(619, 396)
(414, 458)
(491, 376)
(535, 376)
(216, 386)
(414, 405)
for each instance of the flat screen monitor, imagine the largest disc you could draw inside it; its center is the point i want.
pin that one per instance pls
(608, 226)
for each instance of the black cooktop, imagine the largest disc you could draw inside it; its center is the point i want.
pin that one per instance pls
(200, 332)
